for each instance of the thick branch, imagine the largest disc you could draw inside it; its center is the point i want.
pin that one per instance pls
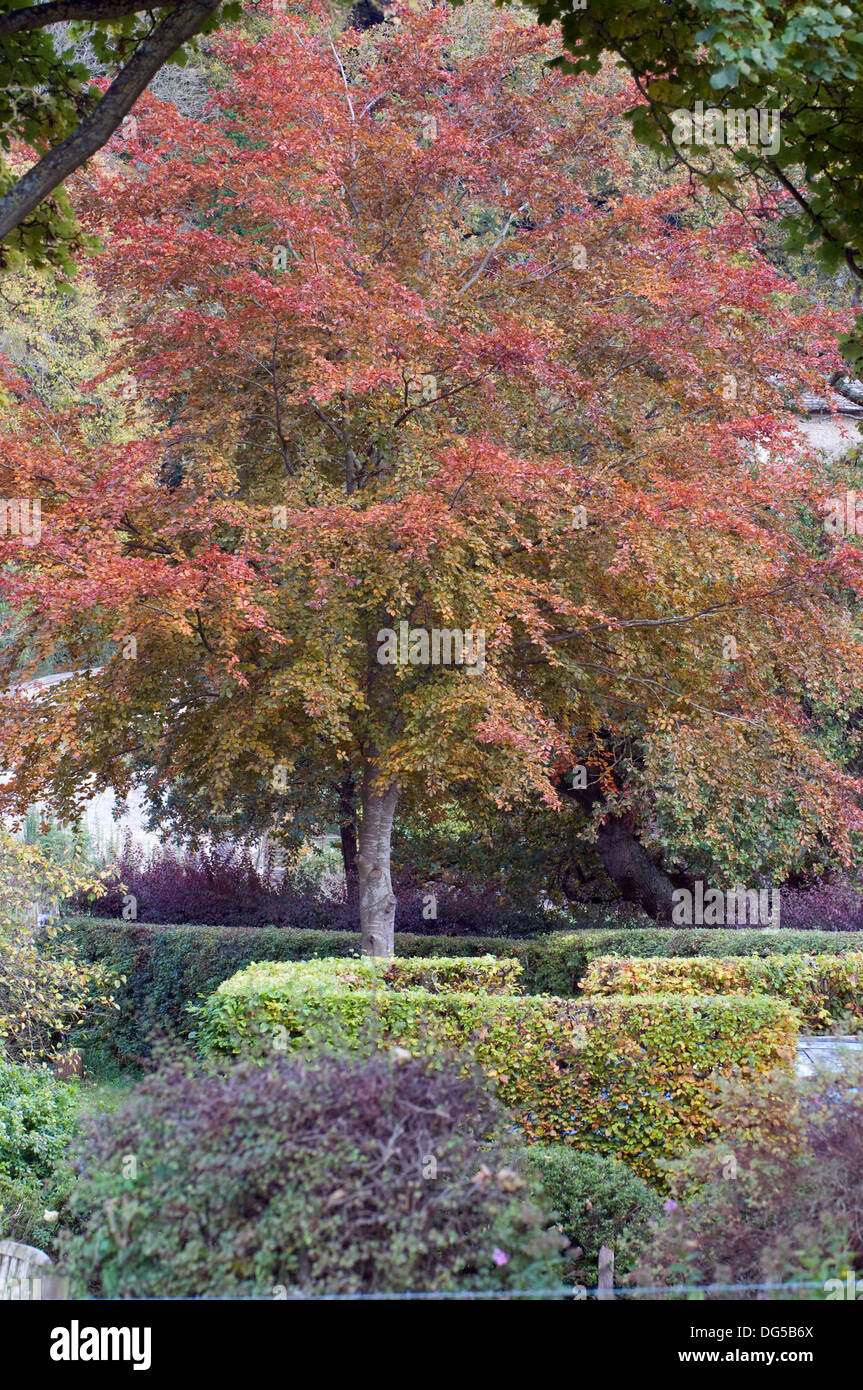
(68, 11)
(93, 132)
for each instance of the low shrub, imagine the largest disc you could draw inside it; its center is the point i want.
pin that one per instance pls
(834, 906)
(625, 1076)
(339, 1176)
(37, 1117)
(469, 909)
(214, 886)
(29, 1209)
(776, 1197)
(164, 969)
(595, 1201)
(824, 989)
(558, 963)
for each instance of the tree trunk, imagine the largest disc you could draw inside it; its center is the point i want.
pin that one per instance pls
(263, 853)
(348, 835)
(377, 900)
(636, 874)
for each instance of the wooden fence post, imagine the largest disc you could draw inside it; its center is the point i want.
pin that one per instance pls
(605, 1282)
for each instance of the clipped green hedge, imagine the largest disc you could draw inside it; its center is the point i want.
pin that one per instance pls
(444, 975)
(824, 989)
(627, 1076)
(165, 968)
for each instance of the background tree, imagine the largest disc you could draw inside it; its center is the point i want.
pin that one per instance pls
(799, 58)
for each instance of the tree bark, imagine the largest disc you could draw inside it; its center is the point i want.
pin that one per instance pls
(637, 875)
(25, 21)
(377, 900)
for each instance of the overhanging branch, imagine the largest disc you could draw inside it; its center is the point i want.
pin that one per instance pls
(69, 11)
(97, 128)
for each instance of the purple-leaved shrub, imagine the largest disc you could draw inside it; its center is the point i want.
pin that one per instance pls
(341, 1175)
(225, 887)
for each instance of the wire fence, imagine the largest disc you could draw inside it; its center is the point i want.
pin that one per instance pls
(573, 1292)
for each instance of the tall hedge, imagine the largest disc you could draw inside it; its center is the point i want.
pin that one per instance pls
(162, 970)
(627, 1076)
(168, 967)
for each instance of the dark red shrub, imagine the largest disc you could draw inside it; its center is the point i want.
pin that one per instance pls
(225, 887)
(833, 906)
(213, 887)
(343, 1175)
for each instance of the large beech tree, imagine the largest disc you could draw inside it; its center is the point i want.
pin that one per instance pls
(409, 365)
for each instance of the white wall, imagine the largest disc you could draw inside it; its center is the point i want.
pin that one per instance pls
(834, 434)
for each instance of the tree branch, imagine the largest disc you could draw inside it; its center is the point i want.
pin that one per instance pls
(66, 11)
(93, 132)
(491, 250)
(843, 385)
